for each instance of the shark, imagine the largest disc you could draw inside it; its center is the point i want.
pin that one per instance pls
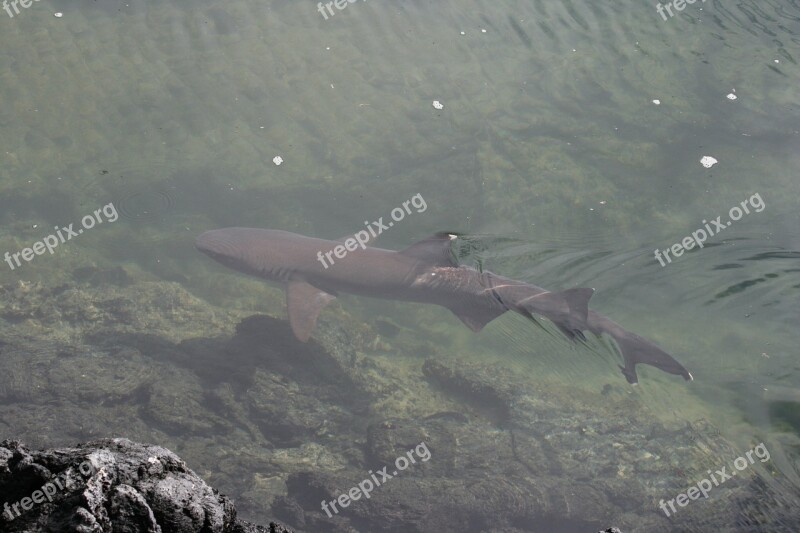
(425, 272)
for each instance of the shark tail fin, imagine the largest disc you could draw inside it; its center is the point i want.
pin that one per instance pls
(569, 309)
(636, 349)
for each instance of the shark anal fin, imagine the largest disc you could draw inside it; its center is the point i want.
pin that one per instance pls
(476, 319)
(305, 302)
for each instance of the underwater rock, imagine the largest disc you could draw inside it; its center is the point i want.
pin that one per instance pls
(84, 313)
(471, 471)
(493, 388)
(283, 425)
(110, 485)
(38, 371)
(96, 276)
(175, 405)
(284, 411)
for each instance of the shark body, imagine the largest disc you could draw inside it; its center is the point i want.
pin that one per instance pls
(425, 272)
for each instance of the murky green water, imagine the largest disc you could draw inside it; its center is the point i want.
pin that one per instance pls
(568, 149)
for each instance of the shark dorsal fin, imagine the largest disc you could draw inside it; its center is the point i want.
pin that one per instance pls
(435, 250)
(305, 302)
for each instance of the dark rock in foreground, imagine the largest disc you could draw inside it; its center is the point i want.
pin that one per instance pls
(110, 485)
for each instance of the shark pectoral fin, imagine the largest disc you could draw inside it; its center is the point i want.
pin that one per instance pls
(476, 319)
(305, 302)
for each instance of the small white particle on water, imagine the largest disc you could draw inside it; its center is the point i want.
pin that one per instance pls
(777, 60)
(463, 33)
(708, 161)
(483, 31)
(732, 96)
(657, 102)
(438, 105)
(277, 160)
(58, 15)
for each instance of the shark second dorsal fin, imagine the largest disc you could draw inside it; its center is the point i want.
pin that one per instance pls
(305, 302)
(435, 250)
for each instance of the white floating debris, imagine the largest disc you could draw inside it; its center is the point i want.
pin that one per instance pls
(708, 161)
(438, 105)
(463, 33)
(657, 102)
(58, 15)
(483, 31)
(277, 160)
(732, 96)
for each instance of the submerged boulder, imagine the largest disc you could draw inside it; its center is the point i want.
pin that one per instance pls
(110, 485)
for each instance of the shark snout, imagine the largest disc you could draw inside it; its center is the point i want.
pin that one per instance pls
(219, 243)
(208, 241)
